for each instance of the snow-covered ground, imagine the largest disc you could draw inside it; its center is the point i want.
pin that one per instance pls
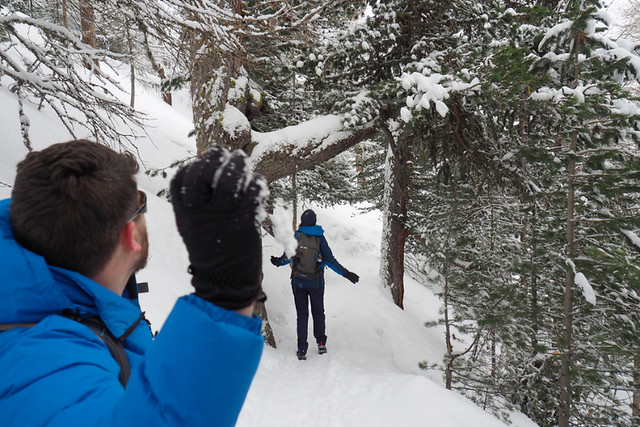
(370, 375)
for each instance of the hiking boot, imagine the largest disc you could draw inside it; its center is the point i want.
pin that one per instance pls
(322, 348)
(302, 354)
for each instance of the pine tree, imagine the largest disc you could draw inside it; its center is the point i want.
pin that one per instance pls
(589, 117)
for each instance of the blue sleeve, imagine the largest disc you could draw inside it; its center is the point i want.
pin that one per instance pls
(197, 371)
(329, 259)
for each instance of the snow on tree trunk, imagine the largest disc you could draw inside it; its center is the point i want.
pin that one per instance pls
(216, 78)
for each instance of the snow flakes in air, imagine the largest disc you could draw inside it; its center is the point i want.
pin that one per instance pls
(263, 196)
(225, 157)
(283, 233)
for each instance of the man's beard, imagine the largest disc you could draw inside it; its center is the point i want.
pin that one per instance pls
(144, 253)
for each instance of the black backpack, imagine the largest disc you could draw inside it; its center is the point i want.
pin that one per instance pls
(307, 262)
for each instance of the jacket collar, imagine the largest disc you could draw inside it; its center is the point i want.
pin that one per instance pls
(311, 230)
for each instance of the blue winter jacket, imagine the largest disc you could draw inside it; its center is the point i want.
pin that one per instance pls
(196, 372)
(325, 254)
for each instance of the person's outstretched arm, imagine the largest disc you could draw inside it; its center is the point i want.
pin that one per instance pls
(332, 262)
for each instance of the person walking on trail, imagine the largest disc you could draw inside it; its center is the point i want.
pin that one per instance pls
(307, 279)
(74, 348)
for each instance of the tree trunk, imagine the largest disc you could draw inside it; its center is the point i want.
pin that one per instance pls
(635, 404)
(534, 309)
(25, 124)
(360, 166)
(267, 332)
(166, 95)
(212, 77)
(132, 66)
(65, 14)
(447, 331)
(294, 189)
(215, 84)
(564, 412)
(395, 213)
(87, 24)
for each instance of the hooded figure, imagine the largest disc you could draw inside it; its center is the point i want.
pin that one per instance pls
(307, 280)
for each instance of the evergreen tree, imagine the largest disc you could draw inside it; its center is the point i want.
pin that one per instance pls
(591, 117)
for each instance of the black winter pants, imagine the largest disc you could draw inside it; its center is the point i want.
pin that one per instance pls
(302, 297)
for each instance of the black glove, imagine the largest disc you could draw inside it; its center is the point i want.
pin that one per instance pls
(275, 261)
(216, 201)
(352, 277)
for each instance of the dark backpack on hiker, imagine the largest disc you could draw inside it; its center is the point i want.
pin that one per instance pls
(307, 263)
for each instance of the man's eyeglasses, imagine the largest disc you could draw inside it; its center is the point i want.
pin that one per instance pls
(142, 206)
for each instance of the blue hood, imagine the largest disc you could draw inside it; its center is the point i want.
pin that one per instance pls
(30, 289)
(311, 230)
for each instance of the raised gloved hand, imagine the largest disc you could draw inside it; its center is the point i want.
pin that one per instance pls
(218, 205)
(352, 277)
(275, 261)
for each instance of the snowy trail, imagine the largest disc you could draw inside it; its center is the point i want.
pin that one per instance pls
(370, 375)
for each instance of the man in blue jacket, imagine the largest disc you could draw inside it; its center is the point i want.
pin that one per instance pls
(71, 236)
(308, 285)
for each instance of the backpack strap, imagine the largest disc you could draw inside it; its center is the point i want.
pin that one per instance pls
(115, 346)
(9, 326)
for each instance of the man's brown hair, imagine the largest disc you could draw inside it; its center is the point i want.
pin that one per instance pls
(71, 200)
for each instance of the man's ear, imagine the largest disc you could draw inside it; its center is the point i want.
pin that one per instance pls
(129, 237)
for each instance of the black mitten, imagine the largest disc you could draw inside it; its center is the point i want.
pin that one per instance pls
(275, 261)
(352, 277)
(217, 202)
